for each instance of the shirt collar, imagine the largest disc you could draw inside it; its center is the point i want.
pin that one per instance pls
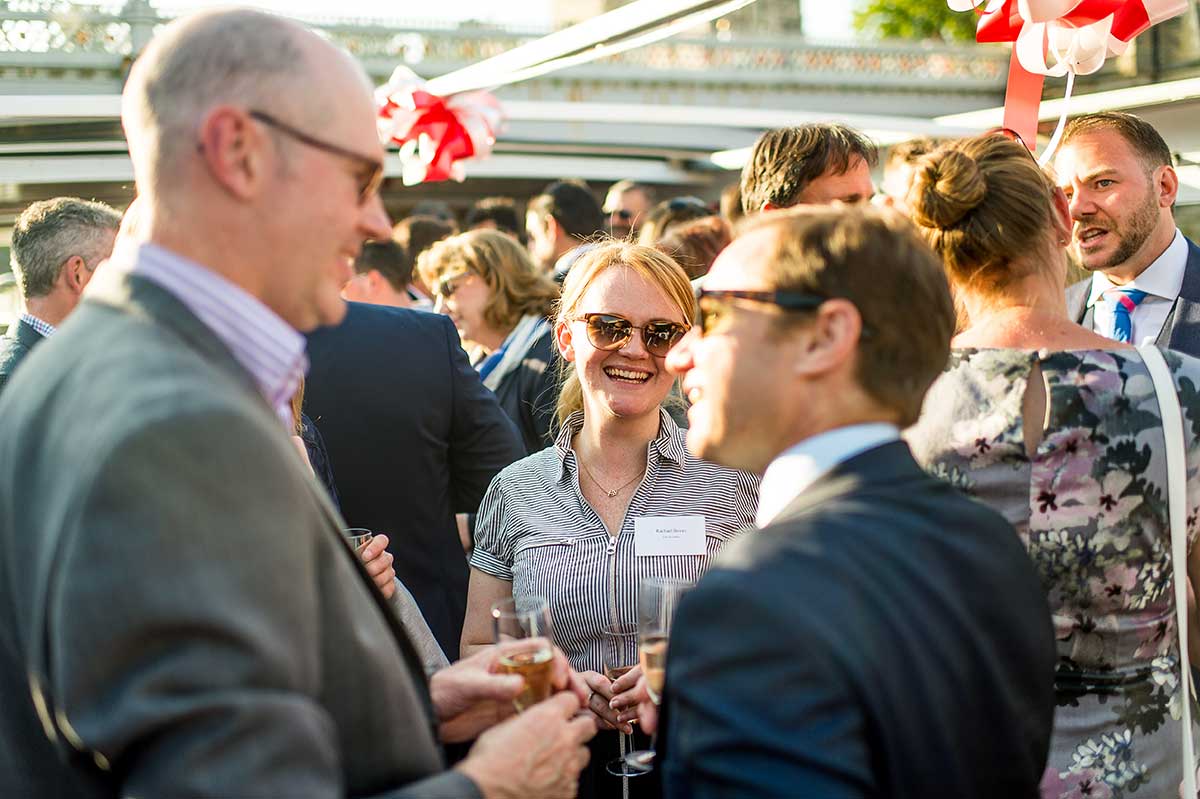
(668, 443)
(270, 349)
(798, 467)
(40, 325)
(1162, 278)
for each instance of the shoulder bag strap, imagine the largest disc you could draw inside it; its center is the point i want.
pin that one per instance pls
(1172, 422)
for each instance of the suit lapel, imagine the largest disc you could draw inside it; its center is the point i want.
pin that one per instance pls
(1181, 331)
(1077, 307)
(144, 298)
(25, 335)
(887, 464)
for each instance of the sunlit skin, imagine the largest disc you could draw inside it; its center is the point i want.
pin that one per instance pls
(740, 402)
(288, 217)
(465, 307)
(634, 203)
(1120, 208)
(852, 186)
(622, 291)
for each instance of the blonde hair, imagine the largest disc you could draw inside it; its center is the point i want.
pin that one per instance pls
(651, 264)
(517, 286)
(981, 204)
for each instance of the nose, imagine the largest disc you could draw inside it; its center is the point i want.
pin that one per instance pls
(373, 220)
(1080, 204)
(679, 359)
(636, 347)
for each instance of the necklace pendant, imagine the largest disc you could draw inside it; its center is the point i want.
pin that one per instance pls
(611, 494)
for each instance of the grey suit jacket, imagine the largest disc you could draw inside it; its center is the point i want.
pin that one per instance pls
(1181, 331)
(18, 341)
(178, 610)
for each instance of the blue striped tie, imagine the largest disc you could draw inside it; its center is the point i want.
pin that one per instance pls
(1123, 302)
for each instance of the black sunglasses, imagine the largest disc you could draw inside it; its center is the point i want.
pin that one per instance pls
(371, 176)
(608, 331)
(788, 300)
(448, 284)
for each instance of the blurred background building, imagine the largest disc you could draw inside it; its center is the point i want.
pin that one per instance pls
(679, 114)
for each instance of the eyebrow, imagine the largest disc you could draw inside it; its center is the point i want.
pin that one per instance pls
(1088, 178)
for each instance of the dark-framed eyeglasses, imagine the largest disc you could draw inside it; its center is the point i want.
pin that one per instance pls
(610, 331)
(447, 285)
(370, 177)
(710, 303)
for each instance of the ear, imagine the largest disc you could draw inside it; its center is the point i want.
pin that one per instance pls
(551, 226)
(1167, 186)
(74, 274)
(562, 337)
(830, 342)
(232, 148)
(1062, 216)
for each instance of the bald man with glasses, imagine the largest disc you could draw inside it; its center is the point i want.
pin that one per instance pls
(182, 616)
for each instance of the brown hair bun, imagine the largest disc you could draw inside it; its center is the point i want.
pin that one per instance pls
(947, 185)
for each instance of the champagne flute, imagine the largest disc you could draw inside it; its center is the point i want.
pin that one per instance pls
(658, 598)
(621, 655)
(522, 626)
(357, 538)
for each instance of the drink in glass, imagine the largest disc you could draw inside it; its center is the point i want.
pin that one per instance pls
(524, 632)
(658, 598)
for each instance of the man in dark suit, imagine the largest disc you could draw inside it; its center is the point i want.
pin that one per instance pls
(56, 246)
(179, 613)
(1118, 176)
(882, 635)
(414, 438)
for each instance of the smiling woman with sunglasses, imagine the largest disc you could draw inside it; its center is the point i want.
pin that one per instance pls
(618, 498)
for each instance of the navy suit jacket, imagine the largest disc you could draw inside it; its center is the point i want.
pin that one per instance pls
(16, 344)
(1181, 331)
(413, 438)
(884, 637)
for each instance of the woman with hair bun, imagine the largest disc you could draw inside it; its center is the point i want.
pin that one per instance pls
(561, 523)
(1058, 428)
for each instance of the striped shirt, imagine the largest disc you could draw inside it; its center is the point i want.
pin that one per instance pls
(535, 529)
(44, 328)
(267, 347)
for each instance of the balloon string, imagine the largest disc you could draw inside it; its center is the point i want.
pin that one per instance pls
(1048, 153)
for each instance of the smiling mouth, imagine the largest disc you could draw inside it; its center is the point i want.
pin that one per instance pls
(1091, 234)
(626, 375)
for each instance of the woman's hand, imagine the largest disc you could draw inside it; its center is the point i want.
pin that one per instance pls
(629, 690)
(599, 696)
(378, 562)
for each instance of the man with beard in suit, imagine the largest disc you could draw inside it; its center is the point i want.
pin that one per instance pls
(1117, 173)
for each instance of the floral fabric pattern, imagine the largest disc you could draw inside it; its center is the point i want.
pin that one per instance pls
(1090, 506)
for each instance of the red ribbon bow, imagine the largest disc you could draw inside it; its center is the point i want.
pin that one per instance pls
(436, 134)
(1080, 34)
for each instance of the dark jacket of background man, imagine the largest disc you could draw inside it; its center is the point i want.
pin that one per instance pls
(413, 438)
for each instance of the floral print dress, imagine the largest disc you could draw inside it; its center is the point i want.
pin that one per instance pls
(1090, 507)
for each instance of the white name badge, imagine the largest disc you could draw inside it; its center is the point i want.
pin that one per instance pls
(668, 535)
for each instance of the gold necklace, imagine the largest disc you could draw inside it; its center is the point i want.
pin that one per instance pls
(616, 490)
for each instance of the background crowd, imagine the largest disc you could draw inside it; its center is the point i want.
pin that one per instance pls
(925, 452)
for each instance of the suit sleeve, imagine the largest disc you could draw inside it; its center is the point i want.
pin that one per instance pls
(483, 440)
(184, 645)
(757, 706)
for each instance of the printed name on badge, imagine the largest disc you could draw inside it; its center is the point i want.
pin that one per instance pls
(668, 535)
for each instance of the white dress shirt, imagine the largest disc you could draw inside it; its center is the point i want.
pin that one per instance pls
(797, 468)
(1161, 281)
